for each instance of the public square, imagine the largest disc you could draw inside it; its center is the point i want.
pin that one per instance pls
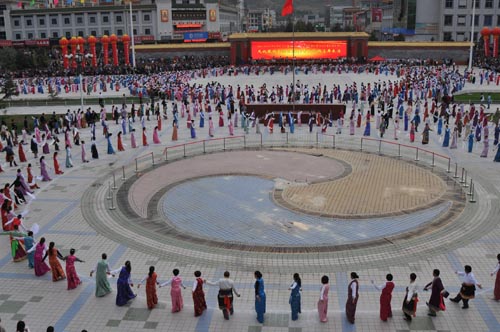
(313, 203)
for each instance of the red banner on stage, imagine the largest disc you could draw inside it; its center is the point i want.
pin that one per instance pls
(303, 49)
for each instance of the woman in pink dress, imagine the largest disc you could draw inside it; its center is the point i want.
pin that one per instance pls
(231, 127)
(133, 143)
(412, 132)
(40, 266)
(323, 300)
(156, 139)
(175, 291)
(71, 275)
(211, 129)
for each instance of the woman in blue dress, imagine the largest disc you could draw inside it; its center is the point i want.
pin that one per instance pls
(111, 150)
(202, 119)
(446, 139)
(367, 127)
(496, 134)
(497, 155)
(295, 296)
(440, 126)
(471, 142)
(124, 284)
(260, 297)
(193, 131)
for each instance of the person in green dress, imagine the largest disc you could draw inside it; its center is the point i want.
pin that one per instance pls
(102, 286)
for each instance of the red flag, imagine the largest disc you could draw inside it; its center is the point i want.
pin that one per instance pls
(287, 8)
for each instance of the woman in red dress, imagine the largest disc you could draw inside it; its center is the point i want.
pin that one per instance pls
(385, 297)
(496, 292)
(119, 143)
(57, 169)
(31, 181)
(20, 152)
(73, 279)
(144, 138)
(55, 266)
(151, 282)
(199, 302)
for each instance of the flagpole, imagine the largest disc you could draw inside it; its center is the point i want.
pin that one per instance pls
(293, 61)
(132, 35)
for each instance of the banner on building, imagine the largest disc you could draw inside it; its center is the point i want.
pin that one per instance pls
(212, 14)
(376, 14)
(195, 37)
(164, 15)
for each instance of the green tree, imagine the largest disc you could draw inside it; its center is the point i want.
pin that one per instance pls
(373, 37)
(8, 88)
(399, 37)
(7, 54)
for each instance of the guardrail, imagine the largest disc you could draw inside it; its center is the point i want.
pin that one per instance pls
(305, 140)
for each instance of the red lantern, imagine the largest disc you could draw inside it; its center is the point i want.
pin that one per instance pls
(113, 39)
(63, 42)
(105, 44)
(92, 40)
(496, 33)
(74, 44)
(485, 32)
(126, 41)
(81, 43)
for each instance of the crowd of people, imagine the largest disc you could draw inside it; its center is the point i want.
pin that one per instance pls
(411, 99)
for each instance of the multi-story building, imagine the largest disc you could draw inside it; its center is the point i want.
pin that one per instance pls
(260, 20)
(456, 18)
(160, 20)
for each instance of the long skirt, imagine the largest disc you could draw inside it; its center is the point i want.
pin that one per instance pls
(385, 307)
(177, 302)
(496, 292)
(467, 292)
(323, 310)
(57, 270)
(151, 297)
(40, 266)
(124, 293)
(199, 302)
(367, 130)
(72, 276)
(102, 286)
(18, 252)
(295, 306)
(260, 307)
(410, 308)
(225, 300)
(350, 311)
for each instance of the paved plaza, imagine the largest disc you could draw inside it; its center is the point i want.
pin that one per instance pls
(305, 202)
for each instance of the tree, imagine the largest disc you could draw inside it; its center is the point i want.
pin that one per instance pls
(7, 54)
(373, 37)
(8, 88)
(399, 37)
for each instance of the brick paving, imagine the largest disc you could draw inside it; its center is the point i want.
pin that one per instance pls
(376, 185)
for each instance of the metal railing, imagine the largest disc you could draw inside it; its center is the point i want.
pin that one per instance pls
(308, 140)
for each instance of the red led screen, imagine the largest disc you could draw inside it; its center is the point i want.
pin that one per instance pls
(303, 49)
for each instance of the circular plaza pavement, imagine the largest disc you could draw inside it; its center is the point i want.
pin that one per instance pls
(340, 206)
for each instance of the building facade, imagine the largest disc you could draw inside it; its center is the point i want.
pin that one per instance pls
(456, 18)
(152, 20)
